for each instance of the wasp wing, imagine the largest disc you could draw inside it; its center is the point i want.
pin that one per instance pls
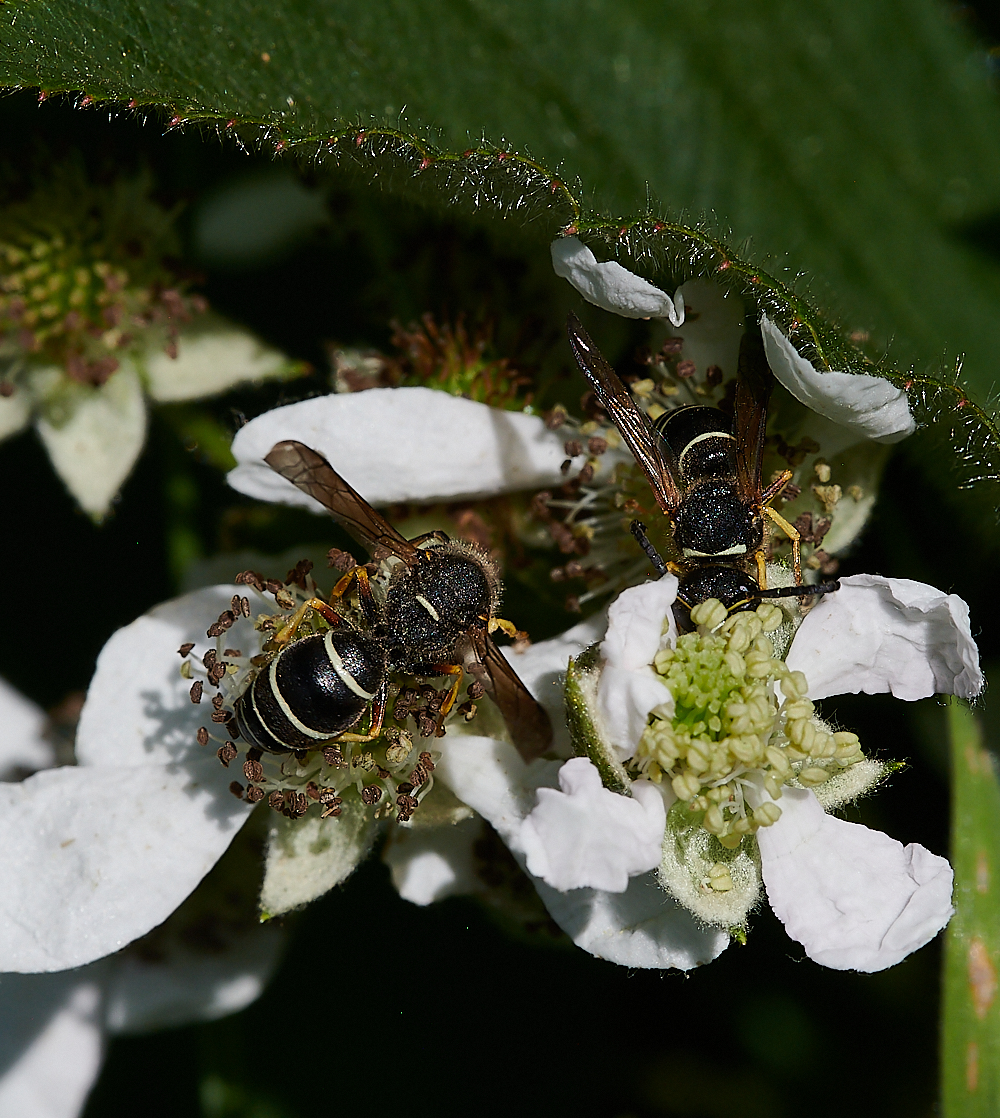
(645, 443)
(309, 471)
(753, 391)
(526, 719)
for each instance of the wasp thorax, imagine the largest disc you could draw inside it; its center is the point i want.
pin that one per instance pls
(731, 744)
(429, 606)
(714, 522)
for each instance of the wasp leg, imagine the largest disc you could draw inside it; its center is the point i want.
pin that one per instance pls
(437, 534)
(359, 575)
(457, 671)
(379, 704)
(503, 625)
(761, 557)
(638, 529)
(793, 534)
(776, 487)
(291, 627)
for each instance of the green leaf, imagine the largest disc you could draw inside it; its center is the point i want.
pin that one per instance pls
(853, 141)
(971, 1032)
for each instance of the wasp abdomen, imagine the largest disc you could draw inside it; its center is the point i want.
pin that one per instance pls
(700, 440)
(313, 690)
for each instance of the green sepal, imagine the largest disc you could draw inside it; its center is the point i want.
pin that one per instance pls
(307, 857)
(580, 696)
(689, 852)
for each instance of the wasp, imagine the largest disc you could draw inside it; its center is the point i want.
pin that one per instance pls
(435, 618)
(705, 472)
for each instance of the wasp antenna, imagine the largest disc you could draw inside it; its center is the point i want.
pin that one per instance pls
(638, 529)
(798, 591)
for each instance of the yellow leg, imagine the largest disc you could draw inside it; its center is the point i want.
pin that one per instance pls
(793, 534)
(457, 671)
(776, 487)
(360, 576)
(291, 627)
(500, 623)
(378, 717)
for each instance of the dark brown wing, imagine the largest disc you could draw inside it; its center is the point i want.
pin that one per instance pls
(309, 471)
(645, 444)
(753, 391)
(526, 719)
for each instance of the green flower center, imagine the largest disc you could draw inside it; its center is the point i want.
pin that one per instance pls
(730, 731)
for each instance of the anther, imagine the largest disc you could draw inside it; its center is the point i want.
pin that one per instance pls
(250, 578)
(237, 789)
(254, 794)
(196, 691)
(333, 756)
(185, 648)
(202, 736)
(226, 753)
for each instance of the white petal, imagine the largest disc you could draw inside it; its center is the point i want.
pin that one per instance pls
(628, 688)
(542, 667)
(612, 287)
(428, 864)
(94, 445)
(15, 411)
(100, 853)
(854, 898)
(190, 985)
(402, 444)
(51, 1043)
(93, 858)
(624, 700)
(491, 777)
(138, 709)
(23, 746)
(212, 355)
(869, 405)
(880, 634)
(635, 624)
(641, 927)
(308, 857)
(584, 836)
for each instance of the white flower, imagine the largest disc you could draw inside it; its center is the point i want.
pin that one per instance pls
(612, 287)
(629, 688)
(868, 406)
(53, 1026)
(871, 406)
(93, 435)
(854, 898)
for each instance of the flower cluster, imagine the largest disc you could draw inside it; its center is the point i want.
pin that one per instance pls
(94, 319)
